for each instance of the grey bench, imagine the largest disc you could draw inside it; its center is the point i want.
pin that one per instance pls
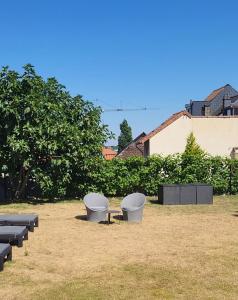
(28, 220)
(5, 254)
(13, 235)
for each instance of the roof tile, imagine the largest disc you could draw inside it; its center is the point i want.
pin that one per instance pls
(169, 121)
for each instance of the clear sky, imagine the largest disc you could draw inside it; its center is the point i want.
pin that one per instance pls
(126, 53)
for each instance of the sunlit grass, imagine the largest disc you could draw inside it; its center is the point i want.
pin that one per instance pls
(178, 252)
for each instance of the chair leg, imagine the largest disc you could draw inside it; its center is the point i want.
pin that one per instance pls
(20, 242)
(26, 236)
(31, 228)
(9, 256)
(1, 263)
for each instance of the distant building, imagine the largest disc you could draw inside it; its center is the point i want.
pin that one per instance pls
(221, 102)
(108, 153)
(217, 135)
(135, 148)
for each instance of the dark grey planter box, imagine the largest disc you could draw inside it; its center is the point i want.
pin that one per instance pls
(175, 194)
(188, 194)
(204, 194)
(169, 194)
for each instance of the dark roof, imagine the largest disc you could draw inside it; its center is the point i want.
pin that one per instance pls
(234, 98)
(139, 137)
(135, 148)
(215, 93)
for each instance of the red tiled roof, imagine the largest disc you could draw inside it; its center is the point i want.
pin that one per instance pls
(216, 92)
(169, 121)
(135, 148)
(108, 153)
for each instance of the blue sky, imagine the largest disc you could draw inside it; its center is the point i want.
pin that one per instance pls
(126, 53)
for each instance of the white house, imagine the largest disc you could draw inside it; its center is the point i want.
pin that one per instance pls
(217, 135)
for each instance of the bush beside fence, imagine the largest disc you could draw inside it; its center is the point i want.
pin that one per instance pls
(120, 177)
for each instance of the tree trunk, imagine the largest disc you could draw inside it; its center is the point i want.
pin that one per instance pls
(22, 182)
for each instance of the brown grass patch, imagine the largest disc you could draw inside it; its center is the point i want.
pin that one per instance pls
(178, 252)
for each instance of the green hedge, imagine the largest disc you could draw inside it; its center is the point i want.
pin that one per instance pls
(120, 177)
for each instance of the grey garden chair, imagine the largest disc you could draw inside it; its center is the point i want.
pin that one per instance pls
(96, 206)
(132, 207)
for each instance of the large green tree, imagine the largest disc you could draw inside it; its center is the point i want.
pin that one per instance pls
(47, 137)
(125, 136)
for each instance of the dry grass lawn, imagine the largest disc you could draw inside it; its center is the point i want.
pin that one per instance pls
(178, 252)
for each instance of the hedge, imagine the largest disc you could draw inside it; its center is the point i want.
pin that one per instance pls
(119, 177)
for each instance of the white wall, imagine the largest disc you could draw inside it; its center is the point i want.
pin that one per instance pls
(216, 135)
(171, 139)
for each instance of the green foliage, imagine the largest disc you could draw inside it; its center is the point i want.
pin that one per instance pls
(53, 141)
(125, 136)
(46, 135)
(119, 177)
(233, 176)
(192, 148)
(195, 164)
(158, 170)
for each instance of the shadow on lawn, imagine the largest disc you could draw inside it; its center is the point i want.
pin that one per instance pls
(84, 218)
(235, 214)
(81, 217)
(118, 217)
(27, 201)
(155, 201)
(36, 201)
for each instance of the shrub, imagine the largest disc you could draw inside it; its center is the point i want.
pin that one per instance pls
(120, 177)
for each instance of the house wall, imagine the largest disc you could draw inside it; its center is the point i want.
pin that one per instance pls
(171, 139)
(217, 103)
(197, 108)
(215, 135)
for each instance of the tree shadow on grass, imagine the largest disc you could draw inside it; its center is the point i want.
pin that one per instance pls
(36, 201)
(235, 214)
(40, 201)
(29, 201)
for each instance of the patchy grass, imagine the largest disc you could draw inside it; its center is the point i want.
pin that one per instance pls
(14, 206)
(177, 252)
